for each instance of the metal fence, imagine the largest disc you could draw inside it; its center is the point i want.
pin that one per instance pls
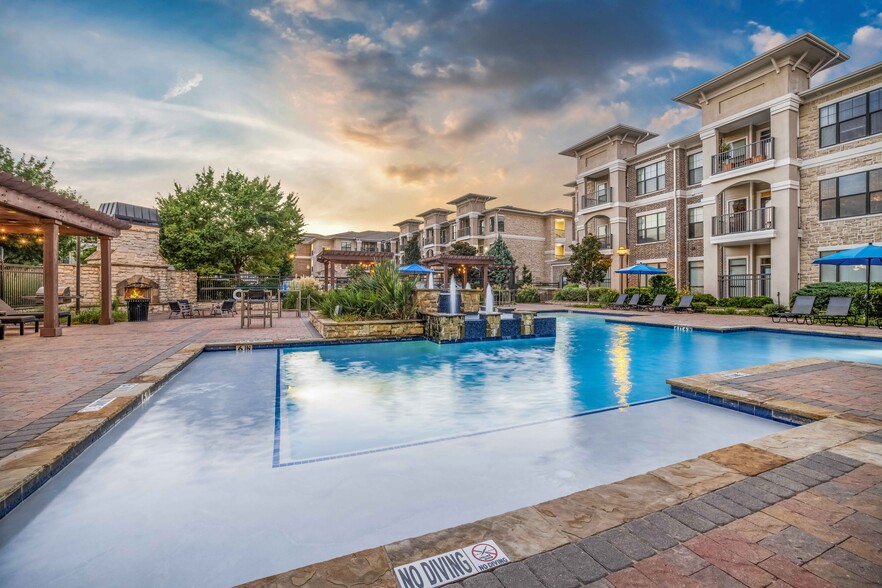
(19, 284)
(221, 287)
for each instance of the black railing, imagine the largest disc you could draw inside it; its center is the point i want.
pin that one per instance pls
(596, 198)
(221, 287)
(19, 283)
(745, 285)
(745, 221)
(737, 157)
(464, 231)
(605, 241)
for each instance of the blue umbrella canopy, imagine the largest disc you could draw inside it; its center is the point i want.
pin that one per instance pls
(640, 270)
(867, 255)
(414, 268)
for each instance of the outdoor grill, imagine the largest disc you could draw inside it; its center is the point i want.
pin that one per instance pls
(137, 297)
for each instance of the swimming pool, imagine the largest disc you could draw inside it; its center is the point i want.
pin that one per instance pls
(184, 491)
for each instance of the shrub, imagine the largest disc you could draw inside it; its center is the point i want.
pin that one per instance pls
(663, 284)
(527, 293)
(823, 291)
(745, 302)
(645, 294)
(310, 297)
(699, 306)
(770, 309)
(592, 305)
(571, 292)
(603, 295)
(730, 310)
(380, 295)
(705, 298)
(90, 316)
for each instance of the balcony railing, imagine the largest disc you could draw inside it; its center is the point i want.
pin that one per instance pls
(464, 231)
(596, 198)
(732, 285)
(605, 241)
(738, 157)
(746, 221)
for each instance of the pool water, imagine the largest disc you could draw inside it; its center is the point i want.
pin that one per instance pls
(348, 399)
(184, 492)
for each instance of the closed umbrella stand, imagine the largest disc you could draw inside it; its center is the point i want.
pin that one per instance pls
(867, 255)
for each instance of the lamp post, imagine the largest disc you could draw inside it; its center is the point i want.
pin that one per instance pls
(622, 252)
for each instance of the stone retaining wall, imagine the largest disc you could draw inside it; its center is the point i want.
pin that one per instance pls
(331, 329)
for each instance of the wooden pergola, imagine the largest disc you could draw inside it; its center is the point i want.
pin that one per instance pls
(462, 262)
(27, 209)
(331, 257)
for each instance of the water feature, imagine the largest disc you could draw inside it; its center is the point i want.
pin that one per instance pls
(488, 299)
(453, 307)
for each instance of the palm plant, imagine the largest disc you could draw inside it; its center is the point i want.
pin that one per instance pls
(382, 294)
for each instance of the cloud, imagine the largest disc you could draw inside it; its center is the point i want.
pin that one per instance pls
(262, 14)
(765, 38)
(412, 173)
(866, 45)
(184, 84)
(672, 117)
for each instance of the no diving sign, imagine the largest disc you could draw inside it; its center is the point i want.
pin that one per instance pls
(451, 566)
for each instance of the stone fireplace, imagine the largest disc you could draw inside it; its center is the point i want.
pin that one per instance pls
(138, 287)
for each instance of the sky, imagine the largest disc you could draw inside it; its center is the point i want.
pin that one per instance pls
(372, 111)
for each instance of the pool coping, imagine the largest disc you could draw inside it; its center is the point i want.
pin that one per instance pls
(542, 528)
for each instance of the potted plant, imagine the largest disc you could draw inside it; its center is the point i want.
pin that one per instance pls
(725, 148)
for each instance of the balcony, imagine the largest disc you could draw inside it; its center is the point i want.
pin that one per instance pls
(732, 285)
(595, 198)
(744, 227)
(739, 157)
(605, 241)
(464, 231)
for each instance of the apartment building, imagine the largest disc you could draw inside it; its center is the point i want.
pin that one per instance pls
(305, 263)
(779, 174)
(536, 239)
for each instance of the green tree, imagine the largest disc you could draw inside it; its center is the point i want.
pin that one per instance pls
(229, 224)
(356, 270)
(411, 251)
(463, 248)
(27, 249)
(526, 275)
(500, 252)
(588, 264)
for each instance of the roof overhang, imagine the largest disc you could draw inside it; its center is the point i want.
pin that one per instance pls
(844, 81)
(26, 207)
(624, 133)
(471, 198)
(432, 211)
(807, 52)
(414, 221)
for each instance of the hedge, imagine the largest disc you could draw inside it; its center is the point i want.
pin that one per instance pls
(527, 293)
(745, 302)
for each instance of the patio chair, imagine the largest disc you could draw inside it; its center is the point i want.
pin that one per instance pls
(685, 304)
(182, 310)
(21, 320)
(225, 307)
(633, 303)
(837, 312)
(657, 304)
(187, 309)
(619, 303)
(801, 310)
(7, 310)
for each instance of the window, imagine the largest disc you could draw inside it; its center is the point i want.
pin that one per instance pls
(345, 246)
(696, 171)
(851, 195)
(849, 273)
(480, 226)
(601, 192)
(444, 235)
(368, 246)
(651, 228)
(560, 227)
(500, 223)
(559, 252)
(696, 276)
(651, 178)
(851, 119)
(492, 224)
(696, 222)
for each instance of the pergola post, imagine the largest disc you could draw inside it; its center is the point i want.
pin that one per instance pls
(486, 277)
(106, 295)
(446, 283)
(326, 276)
(51, 328)
(333, 275)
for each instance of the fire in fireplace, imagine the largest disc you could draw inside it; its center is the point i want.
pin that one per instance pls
(137, 292)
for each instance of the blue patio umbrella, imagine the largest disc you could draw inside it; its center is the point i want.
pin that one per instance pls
(867, 255)
(414, 268)
(641, 270)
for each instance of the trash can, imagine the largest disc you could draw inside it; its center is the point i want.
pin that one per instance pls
(139, 309)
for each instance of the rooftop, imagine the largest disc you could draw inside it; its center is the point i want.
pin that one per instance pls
(137, 215)
(471, 198)
(623, 132)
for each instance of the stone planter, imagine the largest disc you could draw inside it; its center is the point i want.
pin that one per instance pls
(384, 329)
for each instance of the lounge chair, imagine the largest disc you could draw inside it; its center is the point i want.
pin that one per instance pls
(225, 307)
(21, 320)
(619, 303)
(685, 304)
(837, 312)
(633, 303)
(7, 310)
(657, 304)
(801, 310)
(180, 308)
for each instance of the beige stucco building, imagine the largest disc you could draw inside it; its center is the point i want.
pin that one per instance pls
(536, 239)
(779, 173)
(313, 244)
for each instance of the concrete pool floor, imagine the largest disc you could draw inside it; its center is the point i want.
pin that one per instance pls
(47, 454)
